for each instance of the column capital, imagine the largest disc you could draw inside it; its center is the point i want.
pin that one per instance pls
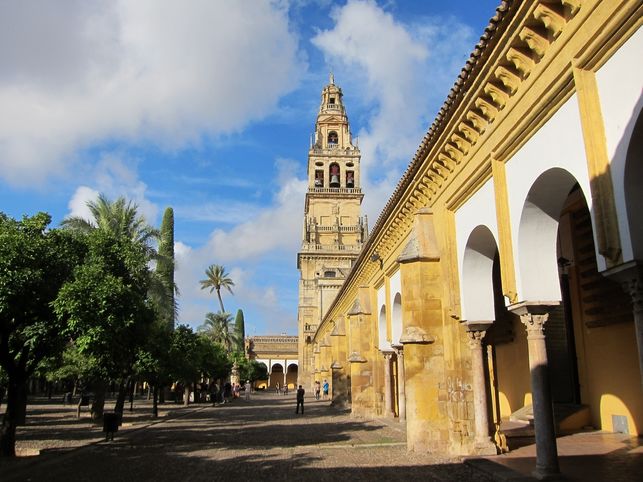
(630, 277)
(475, 338)
(534, 315)
(388, 354)
(399, 350)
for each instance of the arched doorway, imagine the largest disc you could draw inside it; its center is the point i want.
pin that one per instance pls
(557, 258)
(276, 375)
(291, 375)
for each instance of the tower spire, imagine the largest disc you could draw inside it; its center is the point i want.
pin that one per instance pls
(331, 79)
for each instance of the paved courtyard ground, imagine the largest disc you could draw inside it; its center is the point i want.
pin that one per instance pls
(264, 440)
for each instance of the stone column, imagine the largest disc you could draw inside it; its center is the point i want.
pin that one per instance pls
(630, 276)
(534, 316)
(483, 443)
(388, 391)
(401, 396)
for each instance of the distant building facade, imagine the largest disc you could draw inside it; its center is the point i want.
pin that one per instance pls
(279, 353)
(503, 277)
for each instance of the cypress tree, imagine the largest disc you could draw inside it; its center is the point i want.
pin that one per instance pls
(240, 330)
(165, 265)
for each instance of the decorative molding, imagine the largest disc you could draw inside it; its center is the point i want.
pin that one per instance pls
(414, 335)
(355, 357)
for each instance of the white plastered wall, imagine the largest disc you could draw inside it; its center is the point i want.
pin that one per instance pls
(620, 82)
(383, 343)
(395, 283)
(478, 210)
(558, 144)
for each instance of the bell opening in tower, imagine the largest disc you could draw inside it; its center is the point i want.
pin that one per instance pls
(332, 138)
(350, 179)
(334, 175)
(319, 178)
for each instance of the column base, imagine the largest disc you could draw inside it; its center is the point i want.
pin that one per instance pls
(485, 448)
(547, 474)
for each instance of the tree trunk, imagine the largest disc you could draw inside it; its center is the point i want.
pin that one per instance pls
(21, 406)
(220, 300)
(149, 391)
(131, 396)
(162, 394)
(155, 401)
(186, 395)
(8, 427)
(120, 398)
(98, 405)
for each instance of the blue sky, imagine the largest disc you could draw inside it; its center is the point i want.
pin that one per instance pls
(207, 106)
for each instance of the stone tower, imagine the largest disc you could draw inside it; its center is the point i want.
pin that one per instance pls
(333, 230)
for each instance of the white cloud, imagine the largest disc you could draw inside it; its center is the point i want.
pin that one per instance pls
(268, 234)
(403, 71)
(115, 178)
(80, 72)
(78, 203)
(277, 227)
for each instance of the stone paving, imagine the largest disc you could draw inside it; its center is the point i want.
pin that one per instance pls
(260, 439)
(583, 457)
(264, 439)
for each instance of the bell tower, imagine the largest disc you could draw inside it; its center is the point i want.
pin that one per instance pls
(333, 229)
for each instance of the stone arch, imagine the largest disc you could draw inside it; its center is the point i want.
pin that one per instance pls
(538, 232)
(382, 331)
(396, 319)
(291, 374)
(633, 181)
(276, 374)
(477, 275)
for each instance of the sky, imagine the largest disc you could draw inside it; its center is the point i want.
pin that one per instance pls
(207, 106)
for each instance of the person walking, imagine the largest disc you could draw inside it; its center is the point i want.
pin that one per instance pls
(246, 388)
(300, 399)
(317, 389)
(325, 388)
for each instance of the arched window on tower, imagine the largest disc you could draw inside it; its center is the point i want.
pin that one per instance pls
(334, 175)
(319, 178)
(350, 179)
(332, 138)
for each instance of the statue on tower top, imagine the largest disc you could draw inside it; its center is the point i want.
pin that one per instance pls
(332, 79)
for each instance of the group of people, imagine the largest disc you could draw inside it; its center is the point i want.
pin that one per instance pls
(319, 387)
(281, 389)
(319, 390)
(228, 391)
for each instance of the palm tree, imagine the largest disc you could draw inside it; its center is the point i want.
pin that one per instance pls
(216, 328)
(216, 279)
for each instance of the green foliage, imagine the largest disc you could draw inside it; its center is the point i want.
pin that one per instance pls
(34, 264)
(106, 304)
(217, 328)
(120, 218)
(194, 355)
(165, 266)
(217, 278)
(240, 331)
(251, 370)
(72, 366)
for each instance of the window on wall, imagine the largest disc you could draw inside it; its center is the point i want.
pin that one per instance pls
(331, 100)
(329, 274)
(332, 138)
(319, 178)
(350, 179)
(333, 175)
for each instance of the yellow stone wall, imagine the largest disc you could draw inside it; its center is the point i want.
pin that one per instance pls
(534, 60)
